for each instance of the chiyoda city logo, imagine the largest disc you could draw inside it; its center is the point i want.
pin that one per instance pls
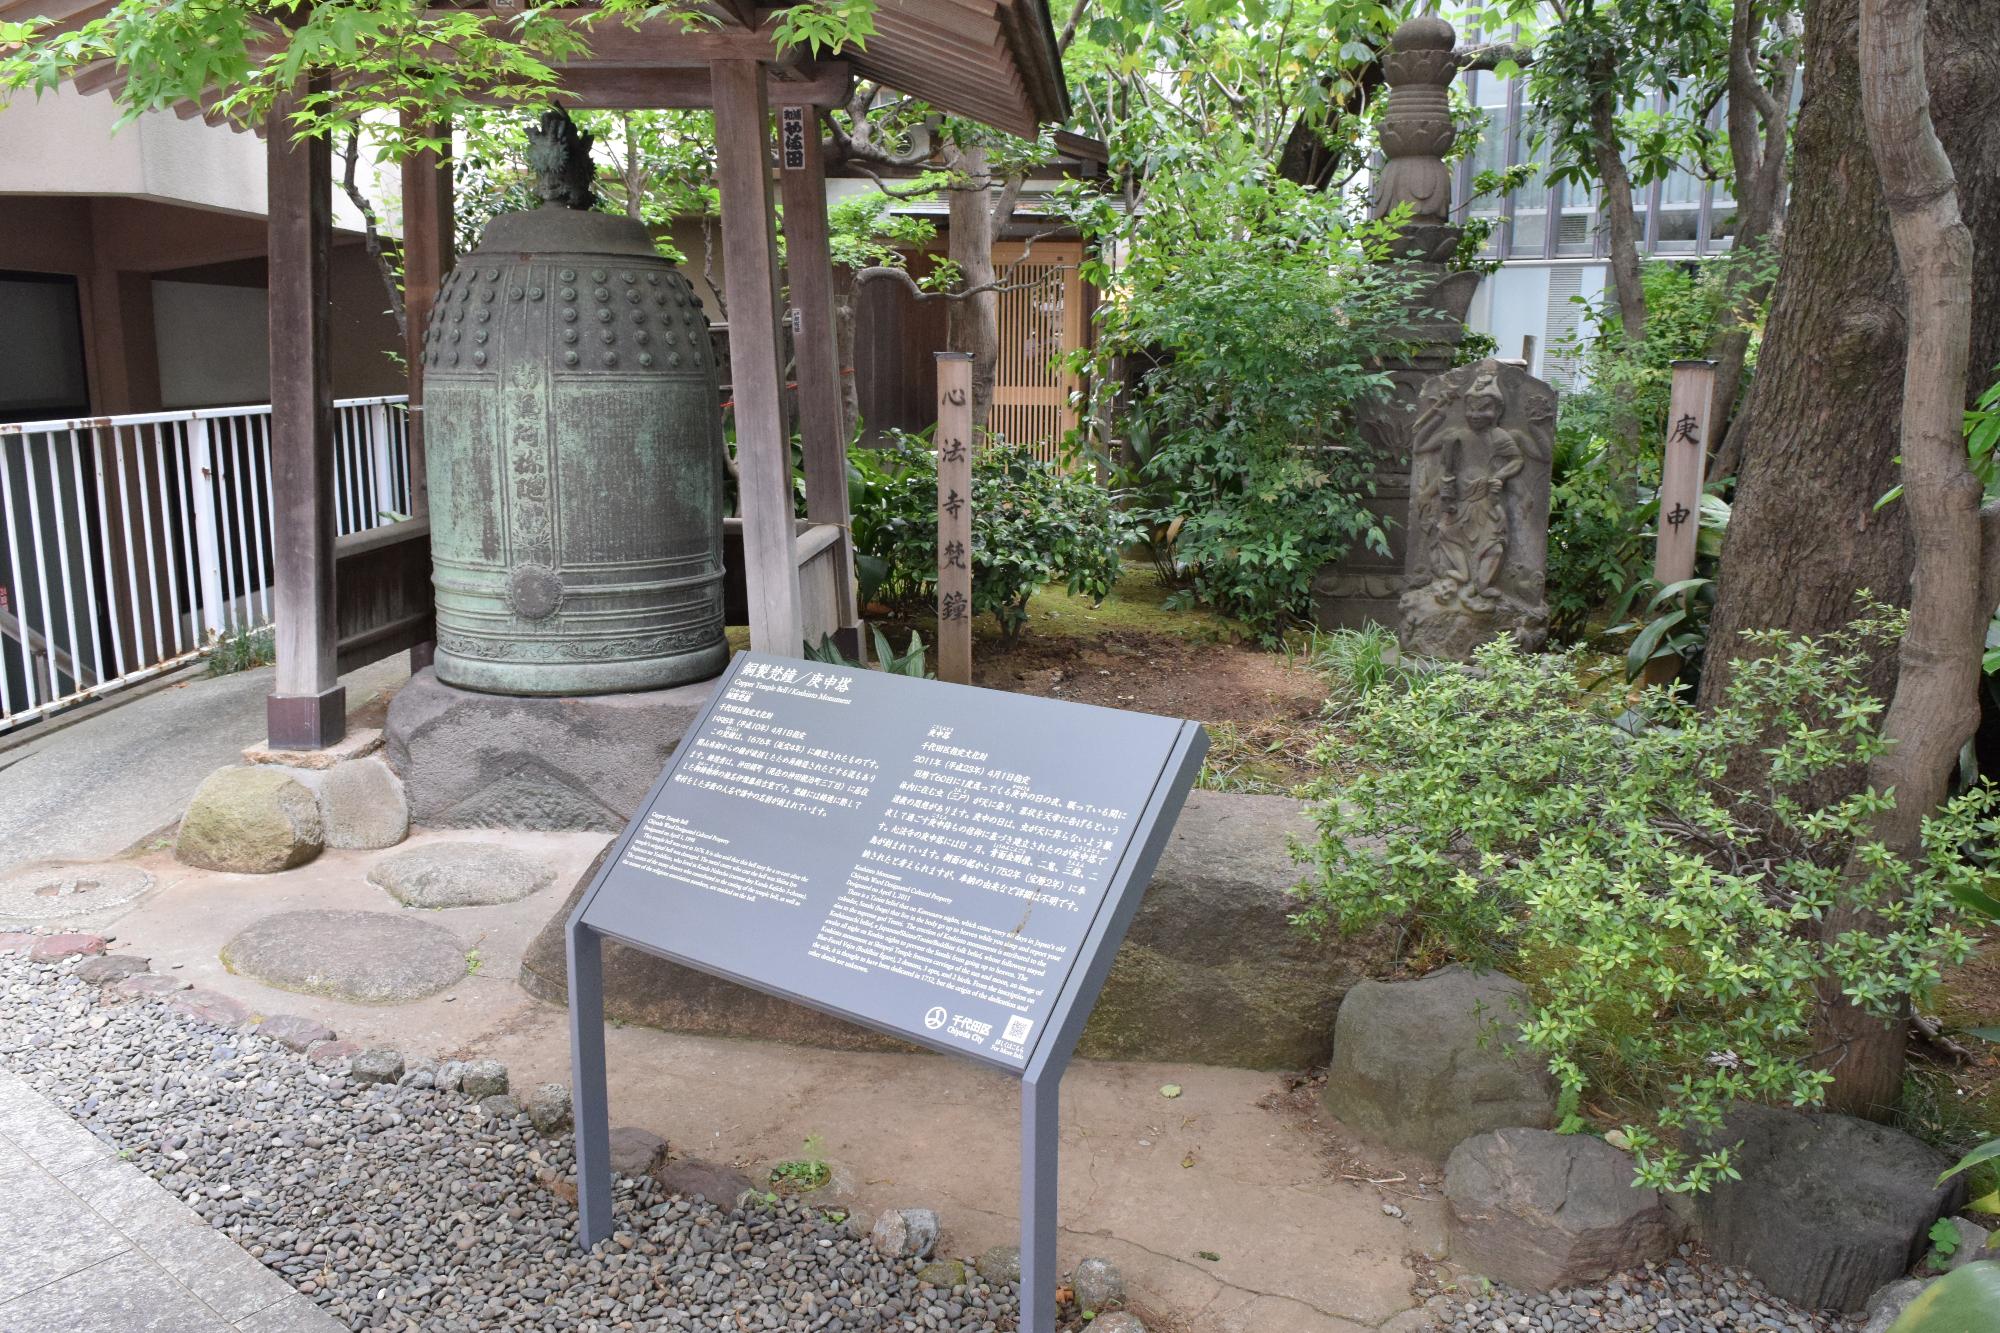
(935, 1018)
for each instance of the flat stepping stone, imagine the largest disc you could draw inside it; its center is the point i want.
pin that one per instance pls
(364, 957)
(46, 892)
(460, 874)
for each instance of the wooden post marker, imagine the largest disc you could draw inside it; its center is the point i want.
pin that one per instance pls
(1685, 458)
(954, 468)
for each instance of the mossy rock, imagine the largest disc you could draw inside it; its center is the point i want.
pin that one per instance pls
(253, 820)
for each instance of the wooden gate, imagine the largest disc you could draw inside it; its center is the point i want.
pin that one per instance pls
(1041, 317)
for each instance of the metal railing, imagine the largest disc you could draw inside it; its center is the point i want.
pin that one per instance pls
(133, 543)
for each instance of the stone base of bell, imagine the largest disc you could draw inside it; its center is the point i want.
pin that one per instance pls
(475, 760)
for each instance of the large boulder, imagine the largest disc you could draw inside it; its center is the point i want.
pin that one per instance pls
(251, 820)
(471, 760)
(1534, 1209)
(1422, 1065)
(1828, 1208)
(1211, 972)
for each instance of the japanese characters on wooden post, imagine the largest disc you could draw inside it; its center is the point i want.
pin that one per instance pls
(1681, 468)
(792, 121)
(954, 469)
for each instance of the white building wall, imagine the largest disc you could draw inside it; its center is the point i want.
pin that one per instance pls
(64, 143)
(1529, 310)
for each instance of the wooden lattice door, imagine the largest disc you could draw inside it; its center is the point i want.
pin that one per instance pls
(1041, 317)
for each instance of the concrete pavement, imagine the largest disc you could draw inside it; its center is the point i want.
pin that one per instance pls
(92, 789)
(89, 1244)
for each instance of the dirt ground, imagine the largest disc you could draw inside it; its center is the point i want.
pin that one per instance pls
(1134, 651)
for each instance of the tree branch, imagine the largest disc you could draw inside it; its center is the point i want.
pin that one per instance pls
(875, 271)
(1489, 55)
(350, 160)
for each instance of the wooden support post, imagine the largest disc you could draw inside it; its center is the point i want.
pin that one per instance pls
(954, 468)
(809, 273)
(1690, 403)
(763, 446)
(427, 248)
(308, 709)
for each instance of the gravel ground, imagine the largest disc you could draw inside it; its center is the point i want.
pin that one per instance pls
(1681, 1296)
(398, 1207)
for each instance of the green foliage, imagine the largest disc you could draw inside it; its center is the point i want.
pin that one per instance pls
(1668, 927)
(803, 1174)
(1264, 315)
(1622, 52)
(1032, 523)
(656, 166)
(1609, 433)
(1966, 1299)
(244, 650)
(826, 25)
(865, 231)
(1627, 383)
(1945, 1241)
(374, 61)
(910, 662)
(1358, 664)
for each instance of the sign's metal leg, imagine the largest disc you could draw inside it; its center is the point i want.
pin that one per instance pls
(592, 1103)
(1039, 1132)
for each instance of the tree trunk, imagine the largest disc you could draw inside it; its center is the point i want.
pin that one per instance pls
(973, 324)
(1759, 120)
(1822, 417)
(1936, 703)
(1621, 223)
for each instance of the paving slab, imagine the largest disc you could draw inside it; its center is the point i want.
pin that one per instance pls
(90, 1244)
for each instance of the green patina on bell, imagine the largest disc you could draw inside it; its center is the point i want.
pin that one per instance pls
(573, 432)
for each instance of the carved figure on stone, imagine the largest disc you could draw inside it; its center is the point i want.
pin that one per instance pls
(1416, 133)
(1479, 510)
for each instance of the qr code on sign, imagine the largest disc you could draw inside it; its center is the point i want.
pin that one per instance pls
(1017, 1029)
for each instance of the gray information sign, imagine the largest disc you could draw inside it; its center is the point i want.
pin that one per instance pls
(952, 865)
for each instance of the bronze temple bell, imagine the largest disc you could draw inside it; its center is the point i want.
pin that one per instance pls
(573, 432)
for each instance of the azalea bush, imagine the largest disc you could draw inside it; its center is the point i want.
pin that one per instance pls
(1667, 925)
(1032, 523)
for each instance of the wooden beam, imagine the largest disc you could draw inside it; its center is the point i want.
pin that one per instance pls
(308, 709)
(763, 446)
(809, 273)
(649, 41)
(427, 248)
(645, 87)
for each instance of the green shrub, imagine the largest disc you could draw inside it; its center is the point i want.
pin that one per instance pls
(1032, 523)
(245, 650)
(1667, 927)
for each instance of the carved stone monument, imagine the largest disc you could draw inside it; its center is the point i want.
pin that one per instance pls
(1479, 511)
(1417, 132)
